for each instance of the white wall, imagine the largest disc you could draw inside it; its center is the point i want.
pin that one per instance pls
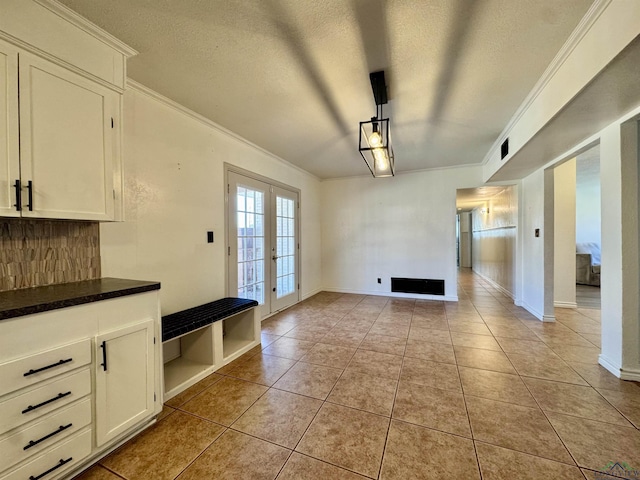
(465, 239)
(532, 218)
(620, 282)
(588, 197)
(564, 238)
(494, 240)
(620, 288)
(396, 227)
(174, 192)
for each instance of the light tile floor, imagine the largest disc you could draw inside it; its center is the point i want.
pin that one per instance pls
(353, 386)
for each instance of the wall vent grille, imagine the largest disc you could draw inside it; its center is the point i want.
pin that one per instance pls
(426, 286)
(504, 149)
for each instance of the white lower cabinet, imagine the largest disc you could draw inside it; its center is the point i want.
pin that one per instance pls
(34, 403)
(32, 440)
(87, 380)
(124, 379)
(55, 462)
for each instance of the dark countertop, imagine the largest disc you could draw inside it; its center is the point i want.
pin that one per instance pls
(26, 301)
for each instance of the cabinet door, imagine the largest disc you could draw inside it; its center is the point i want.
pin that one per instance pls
(66, 142)
(124, 379)
(9, 159)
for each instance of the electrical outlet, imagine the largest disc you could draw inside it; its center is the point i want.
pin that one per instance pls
(209, 237)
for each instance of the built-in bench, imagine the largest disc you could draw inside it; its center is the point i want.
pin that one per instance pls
(200, 340)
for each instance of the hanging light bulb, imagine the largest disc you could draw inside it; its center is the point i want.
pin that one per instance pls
(375, 140)
(381, 158)
(382, 166)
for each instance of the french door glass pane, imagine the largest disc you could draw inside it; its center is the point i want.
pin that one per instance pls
(285, 243)
(250, 218)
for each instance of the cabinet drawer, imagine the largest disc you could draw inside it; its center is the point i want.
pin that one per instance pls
(44, 399)
(56, 461)
(26, 371)
(53, 428)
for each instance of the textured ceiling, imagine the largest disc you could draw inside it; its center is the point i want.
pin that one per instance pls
(292, 75)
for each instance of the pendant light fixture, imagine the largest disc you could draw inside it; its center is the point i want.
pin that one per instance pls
(375, 137)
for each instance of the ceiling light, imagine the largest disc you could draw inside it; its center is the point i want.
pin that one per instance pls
(375, 138)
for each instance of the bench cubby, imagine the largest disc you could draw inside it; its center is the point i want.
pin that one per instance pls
(200, 340)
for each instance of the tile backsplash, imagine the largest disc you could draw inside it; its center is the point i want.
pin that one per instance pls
(44, 252)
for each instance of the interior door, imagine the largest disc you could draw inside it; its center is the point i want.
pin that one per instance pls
(263, 243)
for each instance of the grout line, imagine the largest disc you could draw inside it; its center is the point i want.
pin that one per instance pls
(393, 406)
(466, 408)
(106, 468)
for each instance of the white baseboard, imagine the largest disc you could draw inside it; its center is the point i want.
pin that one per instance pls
(532, 311)
(609, 365)
(445, 298)
(495, 285)
(630, 374)
(622, 373)
(565, 304)
(548, 318)
(311, 293)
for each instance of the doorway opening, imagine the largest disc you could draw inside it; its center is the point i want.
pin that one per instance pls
(577, 231)
(588, 229)
(486, 222)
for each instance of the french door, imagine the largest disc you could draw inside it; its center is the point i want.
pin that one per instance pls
(263, 243)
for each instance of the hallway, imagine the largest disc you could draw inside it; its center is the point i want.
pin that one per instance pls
(350, 385)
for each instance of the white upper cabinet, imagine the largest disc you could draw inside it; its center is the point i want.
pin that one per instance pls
(60, 110)
(66, 143)
(9, 153)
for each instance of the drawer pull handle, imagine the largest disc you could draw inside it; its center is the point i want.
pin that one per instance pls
(55, 467)
(33, 443)
(57, 364)
(30, 408)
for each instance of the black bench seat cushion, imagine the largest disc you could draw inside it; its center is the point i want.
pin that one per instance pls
(194, 318)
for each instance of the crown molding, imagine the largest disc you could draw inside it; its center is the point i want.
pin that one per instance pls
(85, 25)
(589, 19)
(55, 60)
(138, 87)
